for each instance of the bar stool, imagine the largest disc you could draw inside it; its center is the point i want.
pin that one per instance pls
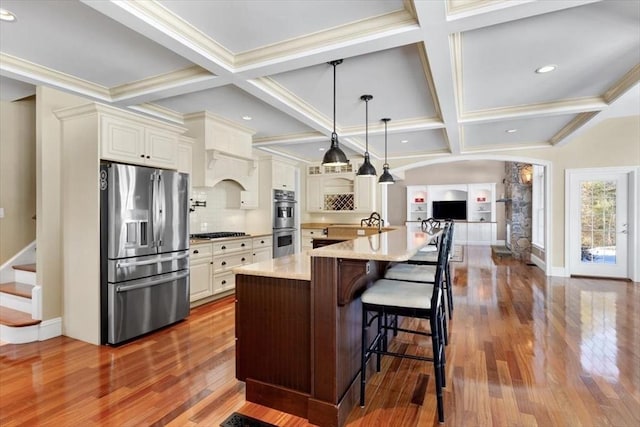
(419, 300)
(431, 259)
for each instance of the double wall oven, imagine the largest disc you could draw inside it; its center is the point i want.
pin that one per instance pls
(284, 228)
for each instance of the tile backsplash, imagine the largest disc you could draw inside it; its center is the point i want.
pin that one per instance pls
(222, 212)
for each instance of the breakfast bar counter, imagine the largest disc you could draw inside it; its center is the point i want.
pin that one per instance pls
(298, 322)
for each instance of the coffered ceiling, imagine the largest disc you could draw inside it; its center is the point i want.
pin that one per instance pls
(454, 76)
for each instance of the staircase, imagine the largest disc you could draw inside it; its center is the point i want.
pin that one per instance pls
(20, 306)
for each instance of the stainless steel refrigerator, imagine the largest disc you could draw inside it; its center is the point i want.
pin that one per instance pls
(144, 250)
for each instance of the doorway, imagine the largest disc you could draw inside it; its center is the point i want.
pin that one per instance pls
(599, 215)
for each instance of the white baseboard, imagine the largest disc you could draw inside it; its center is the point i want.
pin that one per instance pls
(559, 272)
(539, 262)
(50, 329)
(500, 242)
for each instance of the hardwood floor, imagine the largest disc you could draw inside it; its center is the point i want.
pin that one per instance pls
(524, 350)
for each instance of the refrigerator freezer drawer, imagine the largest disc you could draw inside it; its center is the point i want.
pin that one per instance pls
(141, 306)
(136, 268)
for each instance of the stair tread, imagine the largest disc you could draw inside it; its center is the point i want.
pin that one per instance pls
(15, 318)
(25, 267)
(16, 288)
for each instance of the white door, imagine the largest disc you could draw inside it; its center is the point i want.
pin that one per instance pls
(598, 214)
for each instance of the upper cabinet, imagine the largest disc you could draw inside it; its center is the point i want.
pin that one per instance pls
(216, 138)
(128, 137)
(283, 176)
(339, 189)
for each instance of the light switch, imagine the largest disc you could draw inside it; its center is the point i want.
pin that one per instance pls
(1, 212)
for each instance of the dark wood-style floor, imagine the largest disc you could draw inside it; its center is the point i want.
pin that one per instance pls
(525, 350)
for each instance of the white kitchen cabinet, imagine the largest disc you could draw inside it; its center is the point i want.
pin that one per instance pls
(479, 233)
(248, 200)
(314, 194)
(201, 271)
(262, 248)
(283, 176)
(307, 236)
(130, 141)
(185, 155)
(228, 254)
(364, 192)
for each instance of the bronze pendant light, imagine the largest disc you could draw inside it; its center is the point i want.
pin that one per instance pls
(386, 177)
(334, 156)
(366, 168)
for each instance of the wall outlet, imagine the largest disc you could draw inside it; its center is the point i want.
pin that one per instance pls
(360, 232)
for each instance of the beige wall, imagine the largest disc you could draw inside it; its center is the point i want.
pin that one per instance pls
(613, 142)
(48, 197)
(17, 176)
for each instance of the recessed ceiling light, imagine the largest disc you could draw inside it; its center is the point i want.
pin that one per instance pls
(546, 69)
(247, 118)
(7, 16)
(321, 149)
(511, 130)
(404, 141)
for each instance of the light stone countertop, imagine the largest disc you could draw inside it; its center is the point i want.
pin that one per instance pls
(395, 245)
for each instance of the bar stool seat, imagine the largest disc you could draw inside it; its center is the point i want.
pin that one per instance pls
(399, 294)
(412, 273)
(425, 256)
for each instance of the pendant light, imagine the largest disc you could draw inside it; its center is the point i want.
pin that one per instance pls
(334, 156)
(366, 168)
(386, 177)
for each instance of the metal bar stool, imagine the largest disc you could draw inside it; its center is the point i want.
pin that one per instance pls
(419, 300)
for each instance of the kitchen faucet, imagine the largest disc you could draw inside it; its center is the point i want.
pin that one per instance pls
(373, 220)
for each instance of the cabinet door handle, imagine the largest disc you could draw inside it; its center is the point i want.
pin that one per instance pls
(148, 157)
(242, 245)
(211, 262)
(142, 155)
(196, 252)
(224, 262)
(262, 241)
(243, 259)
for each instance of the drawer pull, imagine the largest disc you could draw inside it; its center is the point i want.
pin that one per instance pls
(224, 262)
(224, 282)
(142, 155)
(243, 259)
(224, 247)
(242, 245)
(196, 252)
(262, 241)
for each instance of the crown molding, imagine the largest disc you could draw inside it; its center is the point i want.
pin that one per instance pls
(406, 125)
(283, 154)
(38, 75)
(566, 106)
(421, 154)
(288, 139)
(160, 82)
(506, 147)
(572, 126)
(464, 9)
(219, 119)
(177, 28)
(455, 41)
(624, 84)
(426, 69)
(375, 26)
(283, 95)
(158, 111)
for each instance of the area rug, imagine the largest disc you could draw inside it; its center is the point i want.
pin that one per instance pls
(458, 253)
(239, 420)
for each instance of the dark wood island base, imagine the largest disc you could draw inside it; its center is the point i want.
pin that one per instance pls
(298, 342)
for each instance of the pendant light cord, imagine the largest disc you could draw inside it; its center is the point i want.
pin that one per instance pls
(366, 118)
(334, 98)
(385, 141)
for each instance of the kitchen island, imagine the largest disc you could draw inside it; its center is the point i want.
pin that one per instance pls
(298, 323)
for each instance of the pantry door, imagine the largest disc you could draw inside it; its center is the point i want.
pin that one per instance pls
(599, 227)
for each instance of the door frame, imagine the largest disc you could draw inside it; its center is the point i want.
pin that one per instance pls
(633, 196)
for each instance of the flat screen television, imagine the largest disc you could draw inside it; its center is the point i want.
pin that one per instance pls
(450, 209)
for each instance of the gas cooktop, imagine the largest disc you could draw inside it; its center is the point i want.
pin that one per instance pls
(218, 235)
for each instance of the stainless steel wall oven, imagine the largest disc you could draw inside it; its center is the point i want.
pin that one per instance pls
(284, 231)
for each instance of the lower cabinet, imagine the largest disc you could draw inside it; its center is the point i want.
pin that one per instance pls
(307, 236)
(201, 271)
(211, 263)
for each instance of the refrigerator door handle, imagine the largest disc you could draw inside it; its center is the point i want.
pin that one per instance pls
(151, 261)
(154, 206)
(161, 209)
(146, 284)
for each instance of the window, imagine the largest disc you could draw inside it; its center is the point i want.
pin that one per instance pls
(537, 207)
